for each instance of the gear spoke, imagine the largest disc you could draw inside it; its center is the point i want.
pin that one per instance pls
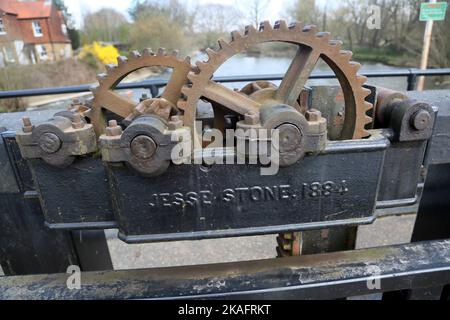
(106, 98)
(233, 100)
(312, 46)
(296, 76)
(173, 88)
(116, 103)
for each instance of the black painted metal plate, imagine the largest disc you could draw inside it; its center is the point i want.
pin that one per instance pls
(337, 187)
(75, 197)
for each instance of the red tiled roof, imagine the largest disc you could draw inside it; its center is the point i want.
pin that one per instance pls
(27, 9)
(7, 6)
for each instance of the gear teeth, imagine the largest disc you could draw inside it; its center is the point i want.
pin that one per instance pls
(250, 29)
(361, 79)
(201, 65)
(367, 106)
(110, 67)
(135, 54)
(295, 25)
(235, 35)
(121, 60)
(280, 25)
(355, 65)
(211, 53)
(324, 36)
(310, 29)
(224, 45)
(101, 77)
(366, 92)
(175, 53)
(148, 52)
(161, 52)
(336, 44)
(346, 54)
(365, 133)
(265, 26)
(367, 119)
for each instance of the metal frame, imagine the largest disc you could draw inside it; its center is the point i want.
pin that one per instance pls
(418, 266)
(410, 271)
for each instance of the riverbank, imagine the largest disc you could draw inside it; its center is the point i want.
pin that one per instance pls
(32, 103)
(360, 54)
(384, 56)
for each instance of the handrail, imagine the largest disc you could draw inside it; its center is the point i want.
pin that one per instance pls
(154, 84)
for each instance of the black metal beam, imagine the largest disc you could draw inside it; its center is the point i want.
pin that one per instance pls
(323, 276)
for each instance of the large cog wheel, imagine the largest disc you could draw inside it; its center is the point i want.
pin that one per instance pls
(312, 46)
(106, 98)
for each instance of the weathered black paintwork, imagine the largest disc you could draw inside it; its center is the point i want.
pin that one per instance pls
(323, 276)
(191, 201)
(78, 194)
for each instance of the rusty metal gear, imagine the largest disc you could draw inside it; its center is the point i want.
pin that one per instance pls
(106, 98)
(312, 46)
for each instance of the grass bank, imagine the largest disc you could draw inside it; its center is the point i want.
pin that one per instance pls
(384, 56)
(61, 73)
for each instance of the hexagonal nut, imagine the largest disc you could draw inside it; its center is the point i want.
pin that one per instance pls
(313, 115)
(27, 125)
(251, 118)
(77, 122)
(175, 123)
(113, 129)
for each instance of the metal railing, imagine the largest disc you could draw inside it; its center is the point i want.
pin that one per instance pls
(154, 84)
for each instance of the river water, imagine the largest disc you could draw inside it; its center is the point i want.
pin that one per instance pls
(245, 65)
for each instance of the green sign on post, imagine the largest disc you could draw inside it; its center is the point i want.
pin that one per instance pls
(433, 11)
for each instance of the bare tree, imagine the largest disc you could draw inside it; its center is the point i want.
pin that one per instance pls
(254, 10)
(217, 18)
(104, 25)
(215, 21)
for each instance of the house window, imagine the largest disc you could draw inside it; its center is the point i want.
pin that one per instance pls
(42, 52)
(2, 27)
(37, 29)
(64, 29)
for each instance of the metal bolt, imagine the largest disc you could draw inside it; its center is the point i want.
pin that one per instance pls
(313, 115)
(251, 118)
(143, 147)
(421, 120)
(49, 142)
(113, 129)
(290, 137)
(175, 123)
(27, 125)
(77, 122)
